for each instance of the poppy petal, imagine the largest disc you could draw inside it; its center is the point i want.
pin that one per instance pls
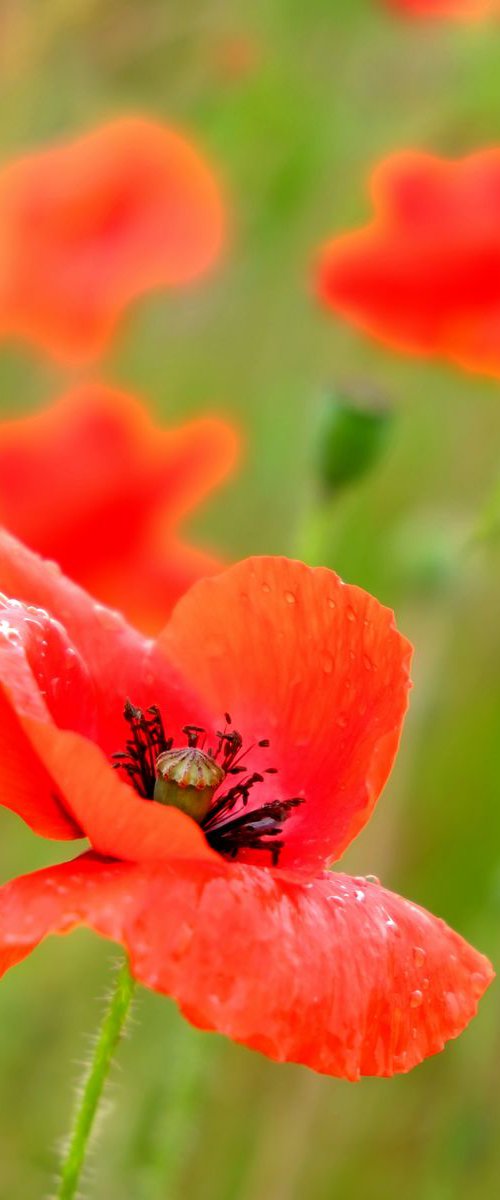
(424, 276)
(117, 661)
(339, 975)
(26, 787)
(93, 483)
(312, 664)
(59, 781)
(117, 821)
(91, 224)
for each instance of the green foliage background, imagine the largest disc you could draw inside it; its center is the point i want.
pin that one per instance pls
(336, 84)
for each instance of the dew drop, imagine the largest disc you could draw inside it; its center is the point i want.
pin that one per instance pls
(367, 663)
(360, 895)
(373, 879)
(342, 720)
(10, 633)
(331, 602)
(350, 614)
(416, 998)
(266, 587)
(327, 664)
(418, 956)
(290, 597)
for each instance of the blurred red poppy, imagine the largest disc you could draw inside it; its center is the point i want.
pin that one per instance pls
(234, 914)
(92, 483)
(88, 225)
(424, 275)
(465, 10)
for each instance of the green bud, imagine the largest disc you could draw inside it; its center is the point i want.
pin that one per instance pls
(353, 434)
(187, 779)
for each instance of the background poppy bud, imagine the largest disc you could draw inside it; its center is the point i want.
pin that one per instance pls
(353, 433)
(187, 779)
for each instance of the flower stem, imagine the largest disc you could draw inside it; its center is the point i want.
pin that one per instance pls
(107, 1040)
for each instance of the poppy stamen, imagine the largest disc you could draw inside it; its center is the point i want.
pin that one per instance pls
(189, 777)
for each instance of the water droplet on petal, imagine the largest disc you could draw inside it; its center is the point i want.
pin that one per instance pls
(350, 614)
(418, 956)
(342, 720)
(416, 998)
(373, 879)
(327, 664)
(266, 587)
(367, 662)
(331, 602)
(290, 597)
(10, 633)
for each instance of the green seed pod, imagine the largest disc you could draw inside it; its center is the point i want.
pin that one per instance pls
(353, 434)
(187, 779)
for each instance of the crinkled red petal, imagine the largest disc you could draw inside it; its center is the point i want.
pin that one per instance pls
(319, 668)
(338, 974)
(91, 224)
(92, 642)
(26, 787)
(424, 276)
(59, 697)
(92, 483)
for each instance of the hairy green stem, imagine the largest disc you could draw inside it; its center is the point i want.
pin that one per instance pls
(107, 1040)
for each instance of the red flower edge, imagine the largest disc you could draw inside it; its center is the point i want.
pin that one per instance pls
(92, 483)
(293, 960)
(339, 974)
(424, 275)
(92, 223)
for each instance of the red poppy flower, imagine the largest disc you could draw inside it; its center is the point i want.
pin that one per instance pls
(88, 225)
(466, 10)
(234, 914)
(424, 275)
(93, 484)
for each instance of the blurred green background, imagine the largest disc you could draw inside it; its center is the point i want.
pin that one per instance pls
(294, 102)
